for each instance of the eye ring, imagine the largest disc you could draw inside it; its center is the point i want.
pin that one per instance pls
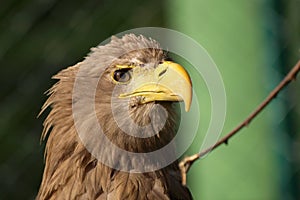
(121, 76)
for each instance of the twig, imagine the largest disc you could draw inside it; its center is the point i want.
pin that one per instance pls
(187, 162)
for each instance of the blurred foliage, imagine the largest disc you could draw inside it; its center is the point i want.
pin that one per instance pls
(37, 39)
(284, 36)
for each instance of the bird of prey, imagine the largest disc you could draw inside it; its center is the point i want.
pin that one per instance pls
(136, 83)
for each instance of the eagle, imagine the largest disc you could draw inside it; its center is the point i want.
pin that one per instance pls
(129, 89)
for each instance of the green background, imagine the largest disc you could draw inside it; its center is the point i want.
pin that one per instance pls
(254, 43)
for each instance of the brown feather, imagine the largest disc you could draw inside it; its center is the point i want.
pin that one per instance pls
(71, 172)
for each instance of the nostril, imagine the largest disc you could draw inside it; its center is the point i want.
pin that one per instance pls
(162, 72)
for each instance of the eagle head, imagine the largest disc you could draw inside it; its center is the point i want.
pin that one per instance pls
(124, 90)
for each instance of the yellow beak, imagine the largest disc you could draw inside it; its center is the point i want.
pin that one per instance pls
(169, 82)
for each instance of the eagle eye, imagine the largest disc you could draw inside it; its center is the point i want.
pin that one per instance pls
(122, 75)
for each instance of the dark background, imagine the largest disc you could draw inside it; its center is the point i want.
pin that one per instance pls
(38, 38)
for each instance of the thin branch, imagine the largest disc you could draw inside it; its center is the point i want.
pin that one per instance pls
(187, 162)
